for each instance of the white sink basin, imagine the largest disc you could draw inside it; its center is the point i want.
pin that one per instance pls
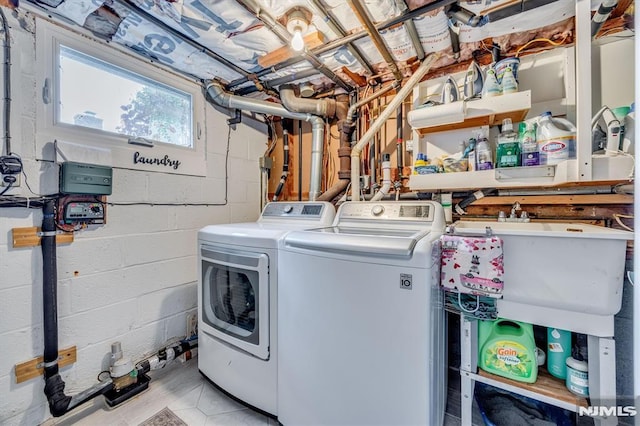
(565, 266)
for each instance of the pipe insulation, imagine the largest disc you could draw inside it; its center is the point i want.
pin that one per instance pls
(601, 15)
(218, 95)
(285, 165)
(384, 116)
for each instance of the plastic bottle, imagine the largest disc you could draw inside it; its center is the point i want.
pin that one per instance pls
(527, 137)
(629, 131)
(558, 350)
(483, 153)
(556, 139)
(509, 83)
(491, 86)
(508, 149)
(419, 162)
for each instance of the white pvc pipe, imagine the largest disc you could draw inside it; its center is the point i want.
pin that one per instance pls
(386, 181)
(384, 116)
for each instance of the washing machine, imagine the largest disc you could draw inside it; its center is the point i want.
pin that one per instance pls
(361, 336)
(237, 299)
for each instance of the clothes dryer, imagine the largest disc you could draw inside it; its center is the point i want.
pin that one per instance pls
(361, 320)
(237, 299)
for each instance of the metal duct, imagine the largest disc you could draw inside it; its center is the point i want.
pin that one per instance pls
(217, 94)
(320, 107)
(389, 109)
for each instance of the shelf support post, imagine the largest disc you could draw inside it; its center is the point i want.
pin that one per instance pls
(468, 363)
(583, 89)
(602, 375)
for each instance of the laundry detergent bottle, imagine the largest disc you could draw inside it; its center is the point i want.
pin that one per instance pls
(558, 350)
(508, 349)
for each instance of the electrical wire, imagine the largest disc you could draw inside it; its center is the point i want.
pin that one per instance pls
(226, 188)
(6, 189)
(7, 83)
(618, 217)
(551, 42)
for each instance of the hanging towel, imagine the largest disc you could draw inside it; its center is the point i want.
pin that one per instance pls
(472, 264)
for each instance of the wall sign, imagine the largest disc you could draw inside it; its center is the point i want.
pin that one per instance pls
(164, 161)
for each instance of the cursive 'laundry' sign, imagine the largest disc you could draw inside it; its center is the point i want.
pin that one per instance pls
(163, 161)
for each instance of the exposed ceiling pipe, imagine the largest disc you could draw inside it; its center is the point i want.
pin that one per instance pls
(601, 15)
(320, 107)
(283, 34)
(218, 95)
(345, 40)
(346, 128)
(337, 28)
(363, 16)
(412, 31)
(384, 115)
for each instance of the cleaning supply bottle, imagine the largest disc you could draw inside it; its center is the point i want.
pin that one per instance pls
(558, 350)
(508, 349)
(556, 139)
(491, 86)
(527, 137)
(508, 149)
(484, 154)
(419, 163)
(471, 155)
(509, 83)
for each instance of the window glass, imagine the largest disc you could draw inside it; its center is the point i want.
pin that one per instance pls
(99, 95)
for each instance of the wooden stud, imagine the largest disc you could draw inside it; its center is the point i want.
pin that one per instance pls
(28, 237)
(34, 368)
(283, 53)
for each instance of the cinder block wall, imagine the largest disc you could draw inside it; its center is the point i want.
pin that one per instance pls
(132, 280)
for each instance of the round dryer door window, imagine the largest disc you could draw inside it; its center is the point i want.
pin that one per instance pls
(230, 301)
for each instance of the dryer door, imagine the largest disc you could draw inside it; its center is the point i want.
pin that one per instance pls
(235, 298)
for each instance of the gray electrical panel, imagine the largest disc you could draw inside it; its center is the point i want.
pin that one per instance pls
(81, 178)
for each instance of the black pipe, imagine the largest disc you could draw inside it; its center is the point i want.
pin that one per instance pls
(299, 160)
(59, 403)
(399, 141)
(459, 208)
(165, 355)
(54, 385)
(285, 164)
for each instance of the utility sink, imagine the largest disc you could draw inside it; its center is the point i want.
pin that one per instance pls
(566, 266)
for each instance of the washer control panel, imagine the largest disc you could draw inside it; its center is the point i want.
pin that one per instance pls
(292, 210)
(397, 211)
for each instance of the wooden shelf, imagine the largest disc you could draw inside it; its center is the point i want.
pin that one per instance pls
(546, 388)
(473, 113)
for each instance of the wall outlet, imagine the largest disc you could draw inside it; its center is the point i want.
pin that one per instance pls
(192, 324)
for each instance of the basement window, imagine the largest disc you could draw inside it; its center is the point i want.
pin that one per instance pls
(130, 111)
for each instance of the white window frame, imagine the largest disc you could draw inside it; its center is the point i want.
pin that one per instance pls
(119, 152)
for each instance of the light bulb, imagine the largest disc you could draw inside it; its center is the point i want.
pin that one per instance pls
(297, 42)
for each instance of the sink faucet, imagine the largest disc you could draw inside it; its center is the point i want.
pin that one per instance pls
(514, 209)
(513, 217)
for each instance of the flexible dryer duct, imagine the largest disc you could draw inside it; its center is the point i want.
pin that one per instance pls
(219, 96)
(389, 109)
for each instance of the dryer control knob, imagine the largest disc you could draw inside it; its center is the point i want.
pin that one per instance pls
(377, 210)
(288, 208)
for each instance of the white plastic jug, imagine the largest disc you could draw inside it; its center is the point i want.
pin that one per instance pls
(556, 139)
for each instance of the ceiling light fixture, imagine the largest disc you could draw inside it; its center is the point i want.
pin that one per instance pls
(297, 24)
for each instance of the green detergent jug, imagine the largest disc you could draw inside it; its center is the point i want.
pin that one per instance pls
(507, 348)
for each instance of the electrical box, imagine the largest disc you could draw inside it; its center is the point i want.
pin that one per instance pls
(84, 212)
(82, 178)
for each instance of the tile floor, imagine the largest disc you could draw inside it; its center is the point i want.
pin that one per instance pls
(180, 387)
(191, 397)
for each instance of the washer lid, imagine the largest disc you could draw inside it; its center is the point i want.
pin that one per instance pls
(368, 241)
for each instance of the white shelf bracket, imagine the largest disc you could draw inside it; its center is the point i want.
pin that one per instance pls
(583, 89)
